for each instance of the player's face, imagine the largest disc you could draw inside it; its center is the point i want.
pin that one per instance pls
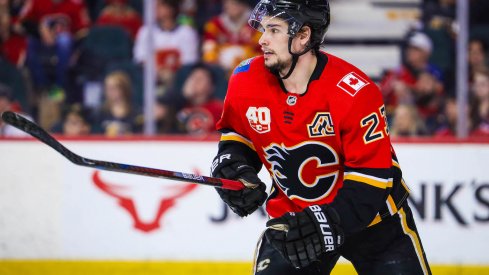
(274, 44)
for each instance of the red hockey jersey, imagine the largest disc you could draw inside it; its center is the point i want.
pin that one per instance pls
(315, 144)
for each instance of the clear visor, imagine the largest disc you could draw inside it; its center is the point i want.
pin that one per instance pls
(266, 11)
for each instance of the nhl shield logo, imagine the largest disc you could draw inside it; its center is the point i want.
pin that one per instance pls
(291, 100)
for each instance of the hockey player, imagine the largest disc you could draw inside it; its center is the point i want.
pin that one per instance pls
(318, 125)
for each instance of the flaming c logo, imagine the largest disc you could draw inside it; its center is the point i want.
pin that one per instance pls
(307, 171)
(169, 197)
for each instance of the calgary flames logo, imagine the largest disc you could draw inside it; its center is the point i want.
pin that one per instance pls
(307, 171)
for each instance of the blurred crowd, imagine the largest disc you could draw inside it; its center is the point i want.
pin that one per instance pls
(76, 66)
(420, 95)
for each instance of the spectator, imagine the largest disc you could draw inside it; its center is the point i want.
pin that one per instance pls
(76, 122)
(119, 13)
(118, 116)
(228, 39)
(165, 115)
(478, 111)
(13, 46)
(196, 107)
(480, 107)
(175, 44)
(476, 124)
(450, 113)
(187, 12)
(477, 56)
(202, 109)
(14, 8)
(202, 11)
(418, 53)
(416, 81)
(6, 100)
(407, 122)
(428, 96)
(55, 26)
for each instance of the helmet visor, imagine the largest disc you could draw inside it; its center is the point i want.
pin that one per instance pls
(267, 10)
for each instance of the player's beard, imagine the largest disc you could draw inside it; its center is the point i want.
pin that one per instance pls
(279, 66)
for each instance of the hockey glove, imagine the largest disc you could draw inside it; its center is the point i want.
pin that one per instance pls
(301, 237)
(234, 167)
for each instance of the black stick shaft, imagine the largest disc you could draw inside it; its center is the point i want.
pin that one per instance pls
(36, 131)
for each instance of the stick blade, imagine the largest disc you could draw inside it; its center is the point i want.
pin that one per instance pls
(18, 121)
(8, 117)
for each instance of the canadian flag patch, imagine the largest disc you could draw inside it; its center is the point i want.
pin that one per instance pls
(352, 83)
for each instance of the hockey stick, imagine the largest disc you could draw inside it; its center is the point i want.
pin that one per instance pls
(36, 131)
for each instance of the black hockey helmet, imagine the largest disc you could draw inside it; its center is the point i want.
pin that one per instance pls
(297, 13)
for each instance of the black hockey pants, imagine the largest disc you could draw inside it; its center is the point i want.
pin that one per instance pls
(391, 247)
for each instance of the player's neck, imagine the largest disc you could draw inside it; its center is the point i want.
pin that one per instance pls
(298, 81)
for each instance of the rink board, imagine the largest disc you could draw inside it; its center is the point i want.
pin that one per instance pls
(58, 216)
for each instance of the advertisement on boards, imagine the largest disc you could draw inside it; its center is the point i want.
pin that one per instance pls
(51, 208)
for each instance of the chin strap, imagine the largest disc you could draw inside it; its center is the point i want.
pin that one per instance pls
(295, 58)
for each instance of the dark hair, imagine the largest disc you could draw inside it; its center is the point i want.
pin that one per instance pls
(174, 4)
(79, 110)
(203, 66)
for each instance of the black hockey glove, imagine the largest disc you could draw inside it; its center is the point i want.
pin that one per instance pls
(234, 167)
(301, 237)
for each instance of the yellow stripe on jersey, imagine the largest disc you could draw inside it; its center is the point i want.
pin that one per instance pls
(376, 220)
(239, 138)
(370, 180)
(414, 238)
(396, 164)
(405, 185)
(391, 205)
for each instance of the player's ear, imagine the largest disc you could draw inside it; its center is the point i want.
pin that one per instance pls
(304, 35)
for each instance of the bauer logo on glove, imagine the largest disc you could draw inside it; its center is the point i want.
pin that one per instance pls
(303, 236)
(329, 241)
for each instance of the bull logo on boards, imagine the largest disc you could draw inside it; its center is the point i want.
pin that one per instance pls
(307, 171)
(126, 199)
